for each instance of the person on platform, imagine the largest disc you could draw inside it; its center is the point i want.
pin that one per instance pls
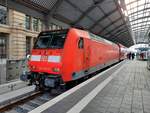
(129, 56)
(133, 55)
(142, 56)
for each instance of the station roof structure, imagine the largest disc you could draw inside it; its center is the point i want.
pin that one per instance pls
(138, 12)
(102, 17)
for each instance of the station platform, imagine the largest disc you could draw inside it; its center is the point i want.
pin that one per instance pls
(11, 86)
(14, 95)
(123, 88)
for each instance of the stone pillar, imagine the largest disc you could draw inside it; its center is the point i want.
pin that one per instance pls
(32, 24)
(17, 37)
(2, 71)
(32, 43)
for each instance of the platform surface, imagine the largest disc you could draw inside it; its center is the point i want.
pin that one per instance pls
(125, 88)
(6, 97)
(128, 92)
(11, 86)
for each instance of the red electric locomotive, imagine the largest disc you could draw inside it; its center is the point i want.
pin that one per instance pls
(62, 56)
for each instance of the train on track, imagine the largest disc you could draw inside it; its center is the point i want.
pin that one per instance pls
(61, 56)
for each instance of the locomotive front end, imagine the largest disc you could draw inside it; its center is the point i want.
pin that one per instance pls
(45, 63)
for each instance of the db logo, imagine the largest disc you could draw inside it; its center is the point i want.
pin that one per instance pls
(44, 58)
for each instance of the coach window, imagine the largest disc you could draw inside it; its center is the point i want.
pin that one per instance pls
(81, 43)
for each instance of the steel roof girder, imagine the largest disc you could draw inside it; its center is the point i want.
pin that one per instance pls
(105, 16)
(33, 5)
(53, 10)
(116, 28)
(113, 22)
(139, 23)
(141, 26)
(116, 2)
(139, 18)
(87, 11)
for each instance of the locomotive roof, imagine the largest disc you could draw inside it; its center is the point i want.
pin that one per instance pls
(91, 35)
(96, 37)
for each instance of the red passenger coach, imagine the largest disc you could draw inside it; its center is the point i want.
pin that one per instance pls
(122, 51)
(66, 55)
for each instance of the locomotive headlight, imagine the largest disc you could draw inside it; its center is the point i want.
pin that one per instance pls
(28, 57)
(33, 67)
(55, 69)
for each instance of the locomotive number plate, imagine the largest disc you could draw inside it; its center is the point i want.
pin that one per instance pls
(44, 58)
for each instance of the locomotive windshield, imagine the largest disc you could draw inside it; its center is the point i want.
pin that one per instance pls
(51, 39)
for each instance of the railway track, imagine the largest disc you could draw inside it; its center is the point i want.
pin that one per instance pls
(28, 102)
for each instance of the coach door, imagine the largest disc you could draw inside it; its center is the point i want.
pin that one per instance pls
(86, 53)
(80, 54)
(83, 45)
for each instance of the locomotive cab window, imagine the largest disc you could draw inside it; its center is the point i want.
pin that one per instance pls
(51, 39)
(81, 43)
